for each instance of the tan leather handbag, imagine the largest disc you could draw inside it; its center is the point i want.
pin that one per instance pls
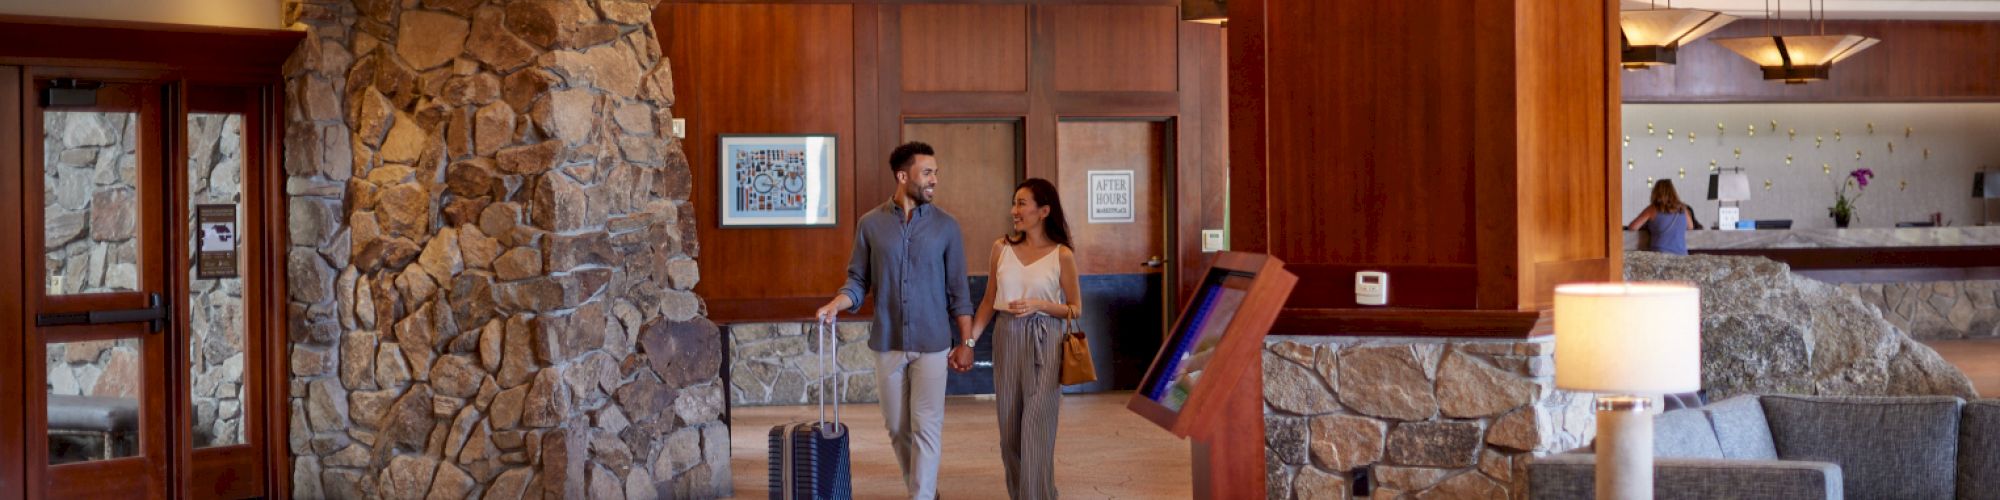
(1076, 364)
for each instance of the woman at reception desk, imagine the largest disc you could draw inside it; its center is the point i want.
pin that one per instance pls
(1666, 221)
(1861, 255)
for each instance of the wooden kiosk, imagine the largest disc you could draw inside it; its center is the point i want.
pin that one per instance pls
(1207, 383)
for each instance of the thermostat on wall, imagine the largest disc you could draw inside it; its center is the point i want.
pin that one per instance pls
(1371, 288)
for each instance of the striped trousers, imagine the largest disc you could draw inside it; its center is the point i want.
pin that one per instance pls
(1027, 364)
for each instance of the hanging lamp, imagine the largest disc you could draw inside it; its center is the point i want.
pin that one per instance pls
(1651, 37)
(1797, 59)
(1205, 11)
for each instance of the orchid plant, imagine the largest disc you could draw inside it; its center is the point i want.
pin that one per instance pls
(1843, 206)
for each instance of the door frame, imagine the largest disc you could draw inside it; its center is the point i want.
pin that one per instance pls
(184, 57)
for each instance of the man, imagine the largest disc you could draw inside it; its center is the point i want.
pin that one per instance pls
(911, 256)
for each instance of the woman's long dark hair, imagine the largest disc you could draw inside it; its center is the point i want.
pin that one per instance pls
(1056, 226)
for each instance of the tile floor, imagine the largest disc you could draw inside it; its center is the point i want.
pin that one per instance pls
(1103, 451)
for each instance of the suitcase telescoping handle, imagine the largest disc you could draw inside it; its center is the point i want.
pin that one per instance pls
(829, 336)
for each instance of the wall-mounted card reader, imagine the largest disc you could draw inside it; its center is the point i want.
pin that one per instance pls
(1371, 288)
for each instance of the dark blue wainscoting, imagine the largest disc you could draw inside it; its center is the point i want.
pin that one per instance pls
(1122, 314)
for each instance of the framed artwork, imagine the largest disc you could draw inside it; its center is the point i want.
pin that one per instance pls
(777, 180)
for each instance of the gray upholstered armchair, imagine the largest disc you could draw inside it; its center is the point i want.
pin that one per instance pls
(1809, 447)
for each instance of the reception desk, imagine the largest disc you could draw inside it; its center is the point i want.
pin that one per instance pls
(1900, 237)
(1861, 255)
(1932, 282)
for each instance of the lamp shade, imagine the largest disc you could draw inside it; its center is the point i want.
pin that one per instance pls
(1628, 338)
(1985, 186)
(1651, 37)
(1205, 11)
(1728, 187)
(1798, 58)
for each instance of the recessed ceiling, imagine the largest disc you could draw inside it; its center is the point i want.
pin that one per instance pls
(1961, 10)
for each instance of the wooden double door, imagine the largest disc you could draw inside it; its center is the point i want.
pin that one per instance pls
(1112, 178)
(138, 352)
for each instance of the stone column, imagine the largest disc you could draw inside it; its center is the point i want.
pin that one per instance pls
(491, 257)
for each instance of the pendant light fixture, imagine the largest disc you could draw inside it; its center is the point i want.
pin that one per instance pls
(1205, 11)
(1797, 59)
(1651, 37)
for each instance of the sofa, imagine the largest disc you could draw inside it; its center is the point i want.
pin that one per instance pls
(1748, 447)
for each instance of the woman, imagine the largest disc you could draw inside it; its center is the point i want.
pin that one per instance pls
(1033, 281)
(1666, 220)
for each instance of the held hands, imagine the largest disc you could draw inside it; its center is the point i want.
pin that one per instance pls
(960, 359)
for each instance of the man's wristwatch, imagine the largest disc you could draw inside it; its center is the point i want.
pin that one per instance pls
(969, 342)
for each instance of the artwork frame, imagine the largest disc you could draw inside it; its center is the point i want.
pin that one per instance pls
(777, 180)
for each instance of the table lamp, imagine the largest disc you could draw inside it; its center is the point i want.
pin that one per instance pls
(1627, 342)
(1729, 188)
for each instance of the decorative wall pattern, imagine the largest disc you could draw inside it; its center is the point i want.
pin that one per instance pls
(1923, 155)
(1431, 418)
(491, 257)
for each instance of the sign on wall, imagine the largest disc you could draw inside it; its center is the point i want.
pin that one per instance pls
(1110, 196)
(215, 236)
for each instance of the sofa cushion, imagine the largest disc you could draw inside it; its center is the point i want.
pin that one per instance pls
(1740, 428)
(1887, 447)
(1684, 434)
(1979, 451)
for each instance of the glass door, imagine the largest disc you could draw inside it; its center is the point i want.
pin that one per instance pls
(98, 291)
(221, 283)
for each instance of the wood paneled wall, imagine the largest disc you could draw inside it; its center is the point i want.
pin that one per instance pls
(1460, 147)
(759, 67)
(973, 157)
(965, 48)
(1916, 61)
(1566, 161)
(862, 69)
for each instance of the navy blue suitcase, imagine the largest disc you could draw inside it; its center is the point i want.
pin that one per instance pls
(808, 460)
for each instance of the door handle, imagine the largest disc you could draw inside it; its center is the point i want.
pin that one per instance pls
(155, 313)
(1154, 262)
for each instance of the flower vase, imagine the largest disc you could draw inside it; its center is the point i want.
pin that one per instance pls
(1840, 220)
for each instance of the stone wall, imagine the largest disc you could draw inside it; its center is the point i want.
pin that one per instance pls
(1431, 418)
(778, 364)
(1938, 309)
(1767, 331)
(491, 257)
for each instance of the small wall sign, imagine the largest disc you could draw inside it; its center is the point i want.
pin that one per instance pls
(1110, 196)
(215, 241)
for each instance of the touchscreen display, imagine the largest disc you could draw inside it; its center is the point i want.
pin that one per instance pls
(1195, 338)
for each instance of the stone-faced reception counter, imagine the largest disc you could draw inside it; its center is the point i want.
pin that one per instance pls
(1935, 283)
(1864, 237)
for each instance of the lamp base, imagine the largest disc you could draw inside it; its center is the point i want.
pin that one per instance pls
(1624, 448)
